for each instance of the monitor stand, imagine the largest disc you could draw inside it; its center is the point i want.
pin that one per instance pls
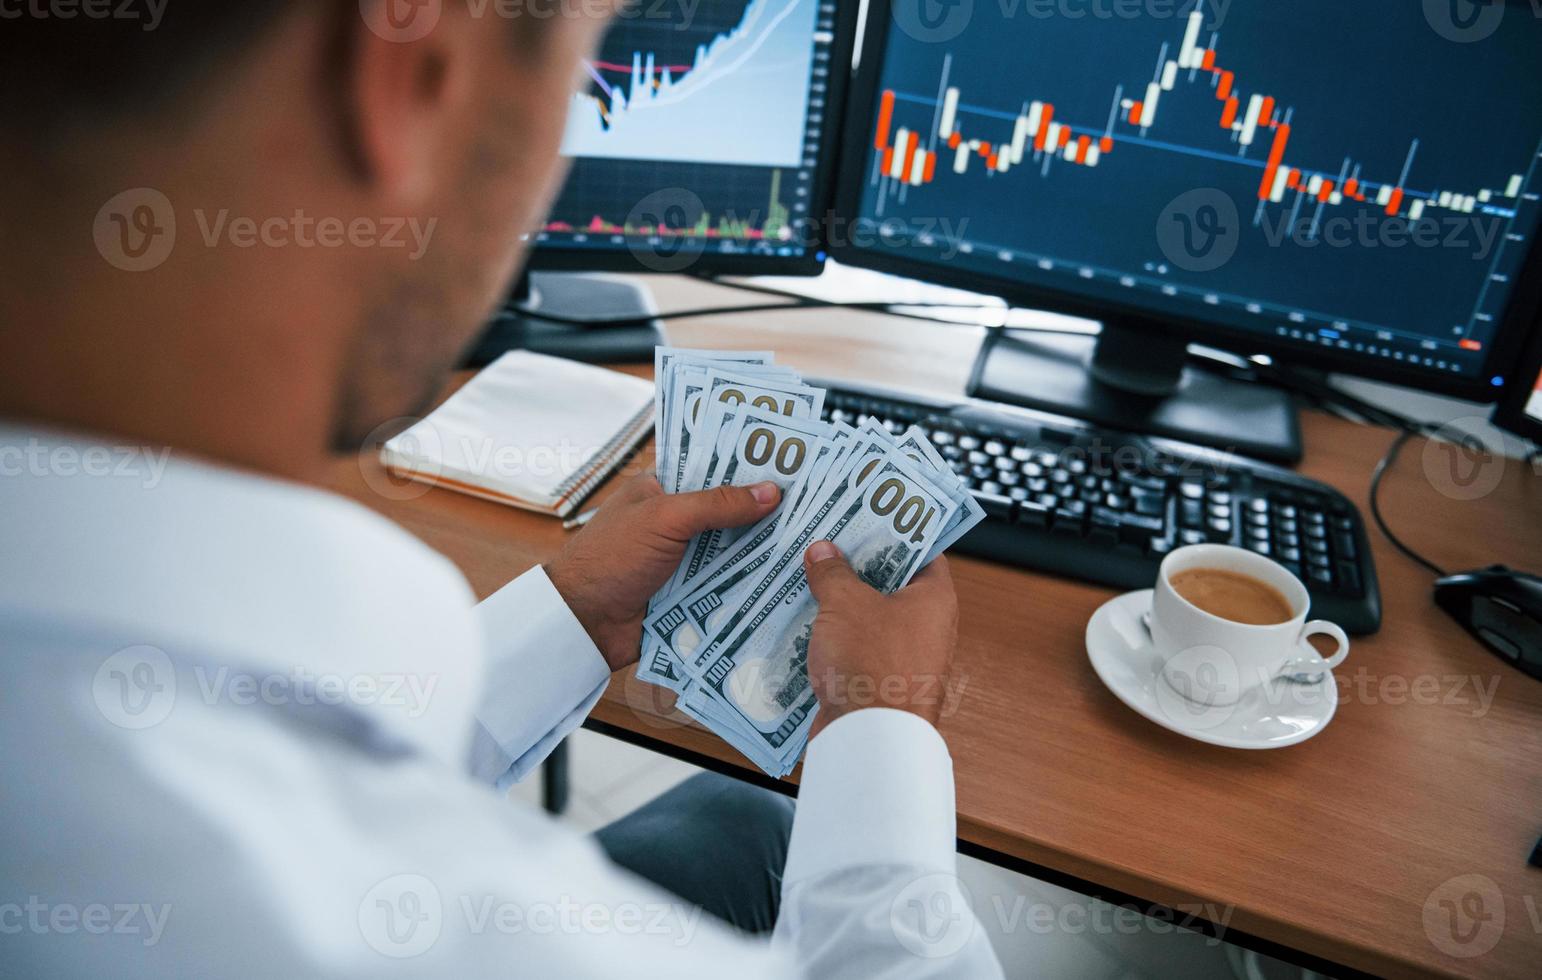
(1135, 378)
(573, 295)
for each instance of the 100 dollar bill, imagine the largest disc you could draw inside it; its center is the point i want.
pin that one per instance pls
(886, 525)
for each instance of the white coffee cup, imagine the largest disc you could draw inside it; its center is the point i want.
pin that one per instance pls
(1214, 661)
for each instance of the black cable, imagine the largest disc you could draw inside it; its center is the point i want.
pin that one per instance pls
(797, 304)
(1381, 471)
(621, 322)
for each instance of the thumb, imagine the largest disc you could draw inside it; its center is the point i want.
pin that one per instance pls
(689, 514)
(830, 577)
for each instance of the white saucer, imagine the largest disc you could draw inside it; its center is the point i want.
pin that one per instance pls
(1270, 716)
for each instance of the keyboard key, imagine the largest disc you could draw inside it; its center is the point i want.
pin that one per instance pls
(1349, 578)
(1148, 484)
(1102, 534)
(995, 448)
(1192, 537)
(1033, 514)
(1150, 505)
(1191, 491)
(995, 504)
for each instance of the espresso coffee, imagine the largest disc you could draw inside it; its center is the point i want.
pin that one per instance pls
(1233, 596)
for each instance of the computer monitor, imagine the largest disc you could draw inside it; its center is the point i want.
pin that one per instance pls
(702, 141)
(1333, 185)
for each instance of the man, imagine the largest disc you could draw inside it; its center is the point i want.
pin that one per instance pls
(251, 727)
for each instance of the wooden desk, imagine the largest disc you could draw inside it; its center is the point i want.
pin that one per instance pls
(1332, 848)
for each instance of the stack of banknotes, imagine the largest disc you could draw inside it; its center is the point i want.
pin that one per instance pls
(730, 632)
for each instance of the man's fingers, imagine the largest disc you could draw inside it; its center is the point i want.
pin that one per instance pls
(640, 487)
(830, 576)
(689, 514)
(936, 576)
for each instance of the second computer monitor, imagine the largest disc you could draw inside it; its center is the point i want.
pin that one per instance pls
(1348, 185)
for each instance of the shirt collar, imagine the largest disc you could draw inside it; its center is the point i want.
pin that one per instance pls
(263, 576)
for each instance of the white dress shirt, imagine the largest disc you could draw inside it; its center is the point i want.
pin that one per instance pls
(253, 729)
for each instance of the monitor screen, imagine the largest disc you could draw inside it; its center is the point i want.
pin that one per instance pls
(698, 138)
(1347, 184)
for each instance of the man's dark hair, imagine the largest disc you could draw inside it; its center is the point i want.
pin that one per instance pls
(66, 66)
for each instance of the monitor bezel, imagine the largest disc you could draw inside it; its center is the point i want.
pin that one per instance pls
(548, 258)
(1523, 314)
(1510, 413)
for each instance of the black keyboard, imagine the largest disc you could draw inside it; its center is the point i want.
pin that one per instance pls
(1105, 506)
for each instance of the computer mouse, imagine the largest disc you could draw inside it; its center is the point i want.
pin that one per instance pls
(1502, 608)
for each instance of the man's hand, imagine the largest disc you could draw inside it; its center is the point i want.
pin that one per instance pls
(871, 650)
(610, 570)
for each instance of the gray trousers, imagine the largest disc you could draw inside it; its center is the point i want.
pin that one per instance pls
(713, 841)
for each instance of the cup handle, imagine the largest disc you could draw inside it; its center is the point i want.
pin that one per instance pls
(1311, 661)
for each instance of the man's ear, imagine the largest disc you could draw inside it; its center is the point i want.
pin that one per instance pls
(402, 100)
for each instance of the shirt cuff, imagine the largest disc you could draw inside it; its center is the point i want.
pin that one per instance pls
(544, 674)
(877, 789)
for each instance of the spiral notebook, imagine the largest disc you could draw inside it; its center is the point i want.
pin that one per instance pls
(530, 431)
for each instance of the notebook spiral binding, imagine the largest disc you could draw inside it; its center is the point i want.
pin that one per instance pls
(576, 489)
